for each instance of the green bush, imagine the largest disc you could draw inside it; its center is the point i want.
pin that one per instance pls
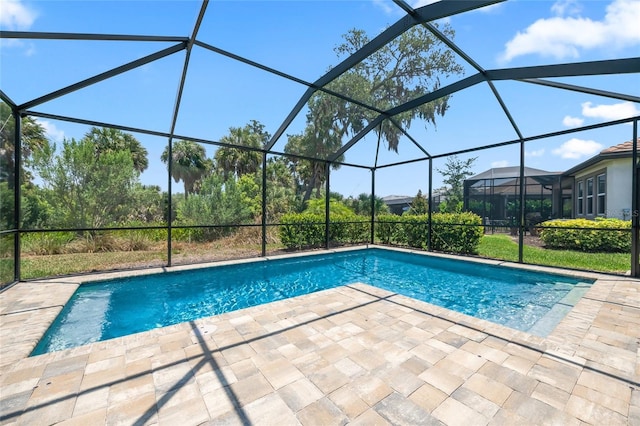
(385, 227)
(452, 232)
(306, 229)
(456, 232)
(600, 235)
(300, 230)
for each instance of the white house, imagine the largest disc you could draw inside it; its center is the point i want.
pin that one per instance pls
(602, 184)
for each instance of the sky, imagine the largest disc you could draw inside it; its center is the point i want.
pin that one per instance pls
(298, 38)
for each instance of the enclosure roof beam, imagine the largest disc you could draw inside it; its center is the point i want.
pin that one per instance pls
(411, 138)
(34, 35)
(574, 69)
(619, 66)
(436, 32)
(441, 9)
(436, 94)
(94, 123)
(285, 75)
(505, 109)
(459, 85)
(185, 67)
(362, 133)
(7, 100)
(402, 163)
(582, 89)
(104, 76)
(540, 136)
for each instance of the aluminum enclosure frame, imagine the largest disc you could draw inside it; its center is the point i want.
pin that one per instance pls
(536, 75)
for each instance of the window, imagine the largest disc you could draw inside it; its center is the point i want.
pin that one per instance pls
(590, 196)
(581, 197)
(602, 192)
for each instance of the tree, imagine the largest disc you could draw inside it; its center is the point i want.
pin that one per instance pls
(420, 205)
(317, 141)
(219, 202)
(112, 140)
(281, 190)
(454, 174)
(362, 205)
(237, 161)
(34, 137)
(404, 69)
(85, 190)
(189, 164)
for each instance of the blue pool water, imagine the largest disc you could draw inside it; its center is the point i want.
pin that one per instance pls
(109, 309)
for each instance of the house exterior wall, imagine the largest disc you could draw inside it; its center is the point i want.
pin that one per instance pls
(618, 188)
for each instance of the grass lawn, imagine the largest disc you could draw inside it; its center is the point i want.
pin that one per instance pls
(503, 247)
(38, 266)
(64, 264)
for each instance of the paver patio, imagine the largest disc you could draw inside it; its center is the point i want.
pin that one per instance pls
(354, 354)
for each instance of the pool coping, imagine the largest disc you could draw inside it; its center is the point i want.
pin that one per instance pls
(39, 313)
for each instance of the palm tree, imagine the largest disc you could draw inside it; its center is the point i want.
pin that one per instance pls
(112, 140)
(188, 164)
(34, 138)
(237, 161)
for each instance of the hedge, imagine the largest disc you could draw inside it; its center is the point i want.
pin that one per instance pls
(452, 232)
(456, 232)
(304, 230)
(560, 234)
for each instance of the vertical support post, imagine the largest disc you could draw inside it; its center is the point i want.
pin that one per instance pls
(264, 204)
(430, 204)
(17, 167)
(635, 205)
(326, 206)
(521, 209)
(170, 200)
(373, 204)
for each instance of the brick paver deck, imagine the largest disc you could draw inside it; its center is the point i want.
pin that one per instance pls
(355, 354)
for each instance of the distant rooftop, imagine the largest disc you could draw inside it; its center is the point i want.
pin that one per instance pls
(622, 147)
(510, 172)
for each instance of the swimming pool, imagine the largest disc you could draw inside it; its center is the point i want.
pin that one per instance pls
(515, 298)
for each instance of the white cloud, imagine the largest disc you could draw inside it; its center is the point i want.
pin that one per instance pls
(386, 5)
(610, 112)
(14, 15)
(577, 148)
(501, 163)
(536, 153)
(564, 37)
(566, 7)
(53, 133)
(572, 121)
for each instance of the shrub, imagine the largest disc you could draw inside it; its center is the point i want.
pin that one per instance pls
(600, 235)
(452, 232)
(306, 229)
(42, 243)
(385, 227)
(300, 230)
(456, 232)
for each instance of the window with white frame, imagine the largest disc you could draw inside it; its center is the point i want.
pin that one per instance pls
(602, 193)
(590, 196)
(580, 198)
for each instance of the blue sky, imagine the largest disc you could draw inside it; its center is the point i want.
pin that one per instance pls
(298, 37)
